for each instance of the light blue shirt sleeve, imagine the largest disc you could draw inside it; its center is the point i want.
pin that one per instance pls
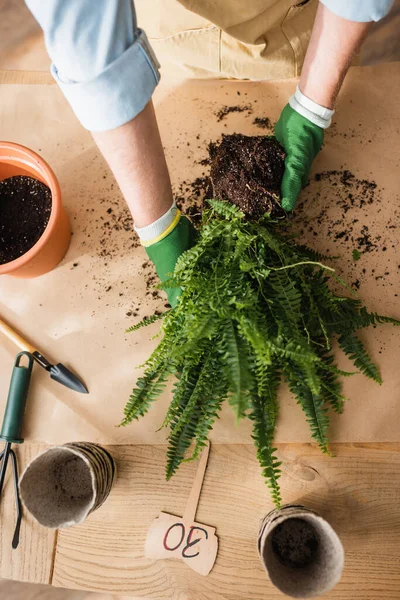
(362, 11)
(101, 60)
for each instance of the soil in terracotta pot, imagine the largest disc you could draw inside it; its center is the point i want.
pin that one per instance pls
(247, 171)
(295, 543)
(25, 207)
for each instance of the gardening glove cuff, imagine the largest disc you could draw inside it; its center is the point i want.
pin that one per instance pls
(300, 130)
(165, 250)
(317, 114)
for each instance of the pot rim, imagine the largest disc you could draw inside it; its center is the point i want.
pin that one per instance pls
(31, 159)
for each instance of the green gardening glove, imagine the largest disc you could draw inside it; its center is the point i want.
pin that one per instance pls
(166, 252)
(301, 140)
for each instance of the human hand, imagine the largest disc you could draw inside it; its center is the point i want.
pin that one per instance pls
(165, 252)
(301, 140)
(334, 41)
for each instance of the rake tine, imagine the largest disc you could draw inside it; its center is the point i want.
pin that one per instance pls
(15, 540)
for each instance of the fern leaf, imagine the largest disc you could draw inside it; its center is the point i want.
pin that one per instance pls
(183, 421)
(310, 376)
(179, 442)
(307, 252)
(312, 405)
(263, 414)
(211, 403)
(146, 321)
(287, 301)
(365, 319)
(235, 357)
(148, 389)
(225, 209)
(190, 419)
(331, 387)
(355, 350)
(182, 391)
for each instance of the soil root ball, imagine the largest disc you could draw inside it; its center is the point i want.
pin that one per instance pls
(247, 171)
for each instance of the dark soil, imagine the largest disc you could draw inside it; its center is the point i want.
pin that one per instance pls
(247, 171)
(25, 207)
(189, 197)
(262, 123)
(226, 110)
(295, 543)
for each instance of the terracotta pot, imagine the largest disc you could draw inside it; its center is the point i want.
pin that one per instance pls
(53, 244)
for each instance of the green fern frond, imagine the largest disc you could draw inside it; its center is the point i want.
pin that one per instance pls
(254, 305)
(257, 334)
(183, 421)
(313, 406)
(148, 389)
(211, 404)
(355, 350)
(235, 357)
(179, 442)
(310, 376)
(365, 319)
(190, 416)
(263, 413)
(146, 321)
(296, 350)
(225, 209)
(287, 301)
(244, 241)
(182, 391)
(313, 254)
(331, 387)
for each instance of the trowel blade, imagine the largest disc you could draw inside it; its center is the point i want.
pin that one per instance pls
(64, 376)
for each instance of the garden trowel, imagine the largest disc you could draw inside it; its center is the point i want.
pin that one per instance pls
(57, 372)
(182, 537)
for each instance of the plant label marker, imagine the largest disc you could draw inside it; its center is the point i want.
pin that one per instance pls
(183, 538)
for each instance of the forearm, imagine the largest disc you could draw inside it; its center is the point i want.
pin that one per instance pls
(135, 155)
(333, 43)
(105, 67)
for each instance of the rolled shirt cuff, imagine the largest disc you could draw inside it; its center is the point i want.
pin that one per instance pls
(118, 93)
(362, 11)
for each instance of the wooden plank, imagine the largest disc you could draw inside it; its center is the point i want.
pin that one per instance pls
(357, 492)
(14, 590)
(33, 559)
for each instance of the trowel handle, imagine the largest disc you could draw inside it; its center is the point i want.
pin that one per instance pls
(13, 336)
(191, 506)
(17, 395)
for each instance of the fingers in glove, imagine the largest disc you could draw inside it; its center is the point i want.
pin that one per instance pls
(292, 183)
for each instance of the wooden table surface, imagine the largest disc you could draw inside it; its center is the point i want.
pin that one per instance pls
(357, 491)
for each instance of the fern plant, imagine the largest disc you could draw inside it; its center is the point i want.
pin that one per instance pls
(255, 309)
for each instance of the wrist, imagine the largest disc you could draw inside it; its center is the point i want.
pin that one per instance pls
(321, 90)
(313, 111)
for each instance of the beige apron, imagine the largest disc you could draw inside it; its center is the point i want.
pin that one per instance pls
(243, 39)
